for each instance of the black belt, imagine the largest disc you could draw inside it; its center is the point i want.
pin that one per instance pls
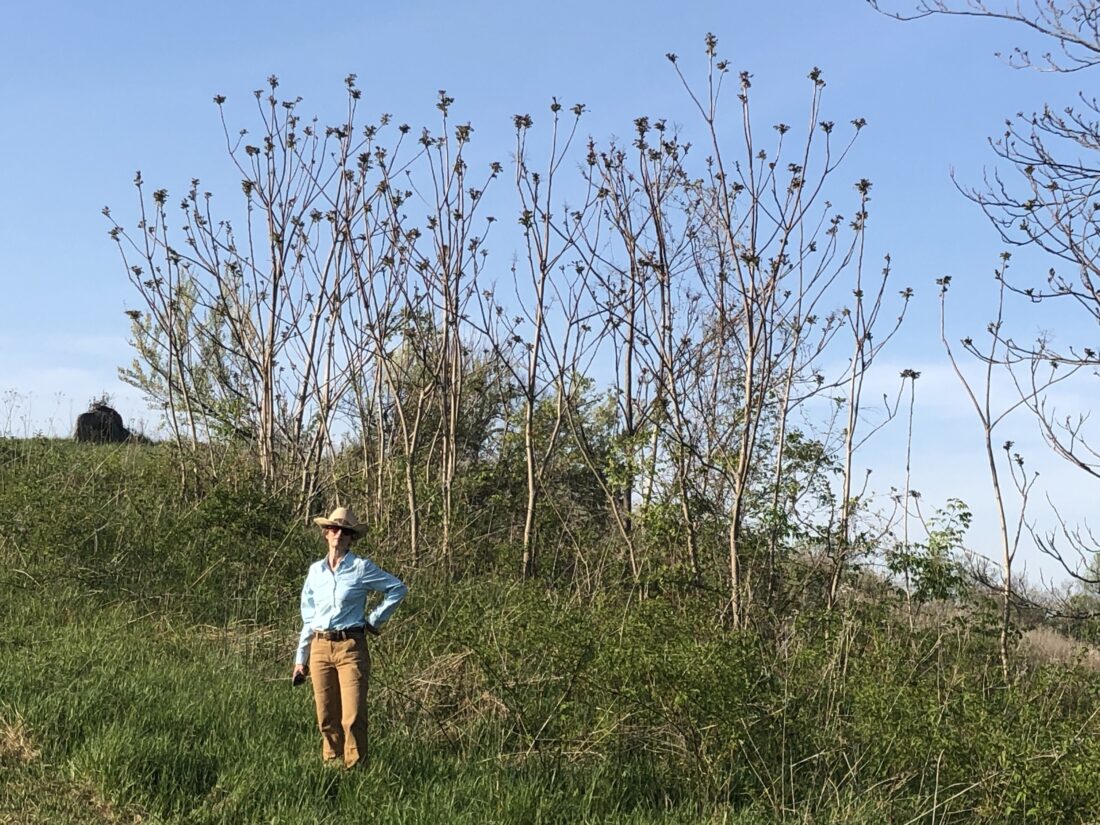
(340, 635)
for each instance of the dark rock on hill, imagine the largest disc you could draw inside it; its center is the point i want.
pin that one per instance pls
(101, 425)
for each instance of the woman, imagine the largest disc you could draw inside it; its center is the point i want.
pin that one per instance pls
(333, 646)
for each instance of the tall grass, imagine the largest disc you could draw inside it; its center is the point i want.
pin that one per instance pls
(148, 630)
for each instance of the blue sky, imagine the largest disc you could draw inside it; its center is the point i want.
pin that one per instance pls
(93, 92)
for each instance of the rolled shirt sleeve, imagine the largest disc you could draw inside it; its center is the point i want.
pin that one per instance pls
(393, 591)
(305, 638)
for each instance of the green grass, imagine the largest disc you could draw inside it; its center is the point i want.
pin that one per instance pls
(192, 724)
(147, 635)
(186, 725)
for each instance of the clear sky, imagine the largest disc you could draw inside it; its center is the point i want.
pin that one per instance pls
(93, 92)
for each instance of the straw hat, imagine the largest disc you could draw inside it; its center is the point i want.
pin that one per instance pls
(341, 517)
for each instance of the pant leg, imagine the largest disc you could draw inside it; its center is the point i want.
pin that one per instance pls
(353, 666)
(326, 696)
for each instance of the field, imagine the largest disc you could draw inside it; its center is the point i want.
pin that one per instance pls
(148, 632)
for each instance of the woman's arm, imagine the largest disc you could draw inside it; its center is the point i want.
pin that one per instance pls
(393, 590)
(305, 638)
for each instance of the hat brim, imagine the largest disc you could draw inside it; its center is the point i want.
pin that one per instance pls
(321, 521)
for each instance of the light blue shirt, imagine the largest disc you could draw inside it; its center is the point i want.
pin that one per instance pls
(337, 599)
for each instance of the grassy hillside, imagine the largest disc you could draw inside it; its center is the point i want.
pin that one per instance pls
(148, 629)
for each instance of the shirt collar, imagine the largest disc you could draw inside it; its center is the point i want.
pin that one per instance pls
(349, 557)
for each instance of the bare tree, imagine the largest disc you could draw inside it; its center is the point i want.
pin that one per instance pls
(449, 273)
(862, 318)
(240, 330)
(546, 243)
(649, 302)
(392, 322)
(1073, 24)
(990, 416)
(628, 251)
(773, 257)
(1049, 204)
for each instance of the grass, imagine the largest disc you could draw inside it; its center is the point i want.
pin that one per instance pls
(187, 725)
(35, 791)
(147, 636)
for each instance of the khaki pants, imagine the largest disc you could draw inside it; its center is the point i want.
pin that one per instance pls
(340, 673)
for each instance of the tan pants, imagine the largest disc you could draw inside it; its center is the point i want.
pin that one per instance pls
(340, 673)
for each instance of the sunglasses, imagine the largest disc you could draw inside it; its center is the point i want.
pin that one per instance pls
(343, 530)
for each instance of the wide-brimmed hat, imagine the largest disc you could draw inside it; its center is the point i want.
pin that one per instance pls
(341, 517)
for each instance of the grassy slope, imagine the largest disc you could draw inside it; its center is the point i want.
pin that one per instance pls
(147, 640)
(190, 725)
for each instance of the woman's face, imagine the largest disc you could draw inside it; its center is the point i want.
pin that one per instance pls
(339, 539)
